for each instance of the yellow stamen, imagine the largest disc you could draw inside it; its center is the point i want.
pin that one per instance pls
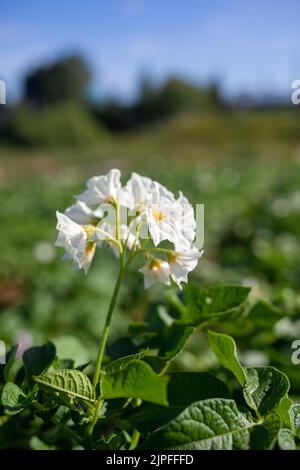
(158, 215)
(154, 264)
(89, 230)
(172, 257)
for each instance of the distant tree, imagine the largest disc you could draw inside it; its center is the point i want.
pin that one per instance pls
(176, 95)
(64, 80)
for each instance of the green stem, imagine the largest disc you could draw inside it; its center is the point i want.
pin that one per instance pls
(103, 344)
(157, 250)
(107, 324)
(118, 224)
(135, 439)
(92, 424)
(112, 303)
(103, 341)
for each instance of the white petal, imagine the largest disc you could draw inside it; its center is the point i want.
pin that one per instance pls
(83, 214)
(182, 263)
(160, 273)
(101, 189)
(73, 239)
(136, 192)
(187, 222)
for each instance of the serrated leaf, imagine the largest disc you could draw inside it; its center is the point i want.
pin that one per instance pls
(225, 349)
(135, 380)
(175, 339)
(39, 358)
(214, 302)
(71, 382)
(184, 388)
(214, 424)
(286, 439)
(265, 388)
(13, 399)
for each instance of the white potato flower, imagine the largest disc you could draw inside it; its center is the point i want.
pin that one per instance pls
(78, 241)
(135, 195)
(154, 204)
(82, 214)
(156, 271)
(187, 222)
(102, 189)
(152, 212)
(183, 262)
(163, 215)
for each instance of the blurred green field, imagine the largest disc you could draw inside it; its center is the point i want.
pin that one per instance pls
(244, 167)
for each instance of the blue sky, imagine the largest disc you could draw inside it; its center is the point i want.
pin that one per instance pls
(248, 45)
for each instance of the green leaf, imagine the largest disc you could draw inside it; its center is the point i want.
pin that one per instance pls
(119, 364)
(138, 327)
(5, 368)
(3, 420)
(265, 388)
(213, 424)
(184, 388)
(272, 423)
(205, 304)
(286, 440)
(187, 387)
(39, 358)
(282, 411)
(225, 349)
(136, 380)
(36, 443)
(13, 399)
(294, 413)
(69, 382)
(70, 347)
(175, 339)
(259, 438)
(157, 363)
(264, 315)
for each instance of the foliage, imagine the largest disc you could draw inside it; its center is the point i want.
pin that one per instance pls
(168, 408)
(252, 227)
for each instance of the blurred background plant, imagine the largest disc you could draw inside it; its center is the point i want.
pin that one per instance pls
(238, 153)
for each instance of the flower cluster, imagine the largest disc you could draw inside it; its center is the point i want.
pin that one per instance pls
(140, 217)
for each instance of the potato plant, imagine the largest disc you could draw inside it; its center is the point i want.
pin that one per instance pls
(145, 400)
